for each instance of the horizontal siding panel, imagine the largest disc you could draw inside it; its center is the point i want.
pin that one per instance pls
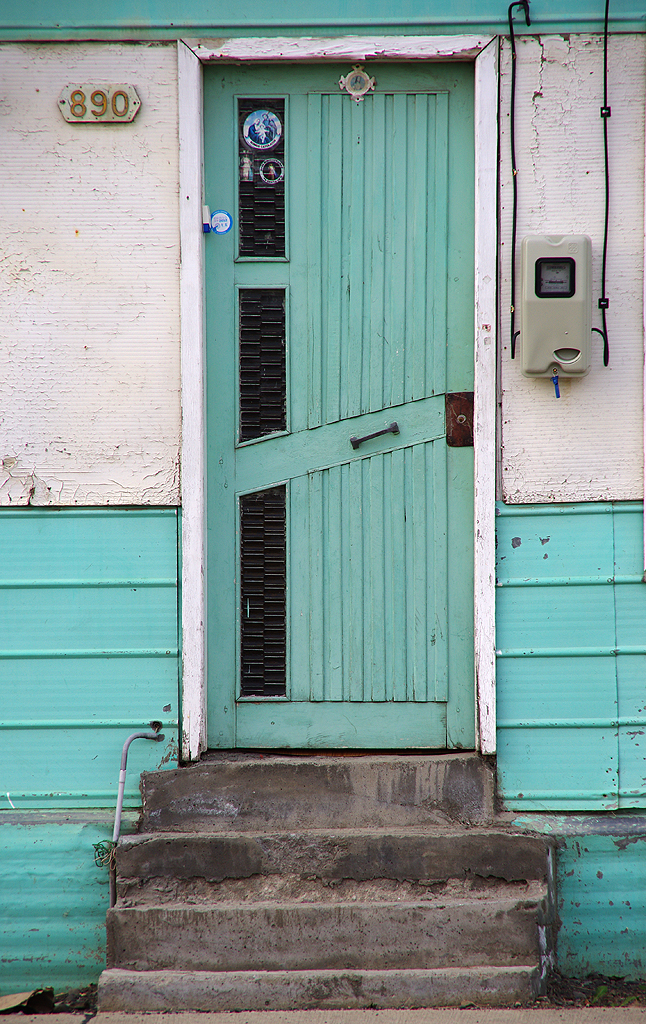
(61, 689)
(88, 618)
(78, 767)
(631, 675)
(558, 768)
(555, 617)
(631, 669)
(551, 689)
(568, 542)
(632, 766)
(89, 651)
(88, 544)
(571, 610)
(630, 602)
(628, 539)
(631, 680)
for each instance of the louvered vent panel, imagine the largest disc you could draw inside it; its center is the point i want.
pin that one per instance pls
(261, 201)
(262, 362)
(263, 572)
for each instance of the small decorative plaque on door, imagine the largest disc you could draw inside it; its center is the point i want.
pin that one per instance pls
(99, 104)
(357, 83)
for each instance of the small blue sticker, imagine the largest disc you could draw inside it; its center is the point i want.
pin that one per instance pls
(221, 222)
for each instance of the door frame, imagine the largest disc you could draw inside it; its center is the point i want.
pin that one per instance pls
(192, 54)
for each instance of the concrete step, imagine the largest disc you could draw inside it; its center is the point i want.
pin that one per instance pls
(285, 882)
(181, 863)
(131, 991)
(323, 936)
(249, 792)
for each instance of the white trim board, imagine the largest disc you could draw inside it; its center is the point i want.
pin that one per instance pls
(315, 48)
(484, 51)
(189, 74)
(484, 416)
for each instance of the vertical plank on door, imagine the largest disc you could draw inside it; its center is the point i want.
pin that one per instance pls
(355, 612)
(315, 580)
(334, 594)
(436, 329)
(316, 324)
(438, 642)
(377, 278)
(298, 663)
(377, 578)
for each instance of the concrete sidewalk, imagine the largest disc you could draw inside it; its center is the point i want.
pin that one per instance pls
(452, 1015)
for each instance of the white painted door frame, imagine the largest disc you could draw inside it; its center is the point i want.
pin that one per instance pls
(192, 54)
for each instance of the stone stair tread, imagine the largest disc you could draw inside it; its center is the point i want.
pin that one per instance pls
(373, 789)
(131, 991)
(243, 936)
(336, 854)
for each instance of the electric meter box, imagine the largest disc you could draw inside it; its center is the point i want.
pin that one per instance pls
(556, 305)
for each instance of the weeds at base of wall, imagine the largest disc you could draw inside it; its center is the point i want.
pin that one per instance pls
(76, 999)
(594, 990)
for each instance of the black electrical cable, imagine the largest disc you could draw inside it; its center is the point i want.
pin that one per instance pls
(606, 350)
(514, 171)
(606, 112)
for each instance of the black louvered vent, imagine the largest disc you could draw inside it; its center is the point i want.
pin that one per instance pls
(261, 194)
(262, 362)
(263, 571)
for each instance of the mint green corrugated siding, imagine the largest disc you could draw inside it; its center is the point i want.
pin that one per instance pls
(53, 899)
(601, 887)
(88, 651)
(600, 891)
(571, 612)
(165, 19)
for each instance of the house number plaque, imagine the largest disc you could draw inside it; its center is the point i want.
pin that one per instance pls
(104, 104)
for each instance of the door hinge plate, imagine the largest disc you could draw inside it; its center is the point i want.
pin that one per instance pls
(459, 419)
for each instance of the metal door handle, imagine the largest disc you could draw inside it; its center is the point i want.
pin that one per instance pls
(392, 429)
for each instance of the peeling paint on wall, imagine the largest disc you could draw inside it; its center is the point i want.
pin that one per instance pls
(587, 445)
(89, 361)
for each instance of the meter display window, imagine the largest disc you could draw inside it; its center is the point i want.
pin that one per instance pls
(555, 279)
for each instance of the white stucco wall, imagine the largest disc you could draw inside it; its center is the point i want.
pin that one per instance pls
(89, 352)
(588, 444)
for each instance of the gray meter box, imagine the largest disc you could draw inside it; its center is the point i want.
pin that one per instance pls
(556, 305)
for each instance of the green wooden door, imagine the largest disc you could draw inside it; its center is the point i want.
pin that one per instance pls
(340, 302)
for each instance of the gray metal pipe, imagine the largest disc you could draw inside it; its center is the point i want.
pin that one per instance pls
(157, 737)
